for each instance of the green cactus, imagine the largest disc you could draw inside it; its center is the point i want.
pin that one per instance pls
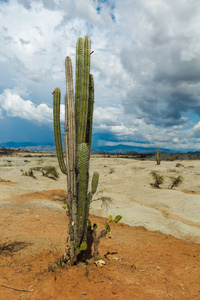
(95, 181)
(82, 101)
(78, 137)
(58, 142)
(82, 180)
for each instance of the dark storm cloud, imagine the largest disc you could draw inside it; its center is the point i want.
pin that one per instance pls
(163, 60)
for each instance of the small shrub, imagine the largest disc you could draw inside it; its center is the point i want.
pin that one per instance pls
(105, 200)
(4, 180)
(110, 219)
(179, 165)
(173, 171)
(176, 181)
(8, 164)
(28, 173)
(47, 171)
(111, 171)
(159, 179)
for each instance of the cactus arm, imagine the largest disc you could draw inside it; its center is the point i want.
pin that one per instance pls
(83, 112)
(95, 181)
(79, 67)
(57, 132)
(70, 123)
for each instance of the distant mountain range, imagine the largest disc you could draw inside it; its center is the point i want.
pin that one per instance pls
(125, 149)
(28, 146)
(108, 149)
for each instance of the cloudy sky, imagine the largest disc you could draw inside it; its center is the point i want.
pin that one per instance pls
(146, 66)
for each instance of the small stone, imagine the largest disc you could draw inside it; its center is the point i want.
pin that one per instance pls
(115, 258)
(158, 268)
(83, 293)
(100, 263)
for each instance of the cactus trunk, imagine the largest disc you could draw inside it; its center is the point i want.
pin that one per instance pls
(78, 136)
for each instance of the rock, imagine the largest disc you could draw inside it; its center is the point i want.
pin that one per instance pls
(100, 263)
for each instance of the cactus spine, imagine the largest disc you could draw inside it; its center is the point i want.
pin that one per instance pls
(78, 137)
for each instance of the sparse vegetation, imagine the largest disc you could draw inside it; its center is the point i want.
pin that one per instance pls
(112, 170)
(8, 164)
(28, 173)
(159, 179)
(4, 180)
(47, 171)
(28, 155)
(110, 219)
(179, 165)
(173, 171)
(95, 239)
(27, 161)
(176, 181)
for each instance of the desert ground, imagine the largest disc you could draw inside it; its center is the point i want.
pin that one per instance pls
(153, 252)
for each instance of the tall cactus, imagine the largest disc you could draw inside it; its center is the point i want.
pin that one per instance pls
(78, 136)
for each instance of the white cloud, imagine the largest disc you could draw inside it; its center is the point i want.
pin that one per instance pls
(14, 106)
(197, 126)
(146, 64)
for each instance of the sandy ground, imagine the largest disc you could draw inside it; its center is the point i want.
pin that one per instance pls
(154, 252)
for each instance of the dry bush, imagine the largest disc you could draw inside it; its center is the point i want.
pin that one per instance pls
(47, 171)
(105, 201)
(176, 181)
(159, 179)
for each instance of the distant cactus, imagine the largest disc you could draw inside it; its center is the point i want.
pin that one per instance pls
(78, 137)
(158, 156)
